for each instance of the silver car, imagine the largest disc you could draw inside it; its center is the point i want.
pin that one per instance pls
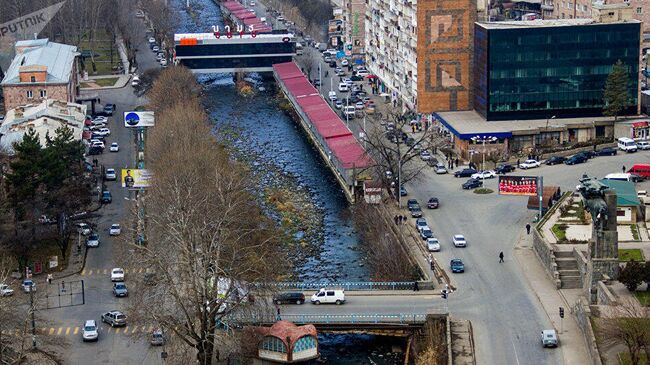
(549, 338)
(114, 318)
(440, 169)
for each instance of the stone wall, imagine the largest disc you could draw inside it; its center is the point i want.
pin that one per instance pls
(583, 314)
(16, 95)
(546, 255)
(583, 266)
(604, 295)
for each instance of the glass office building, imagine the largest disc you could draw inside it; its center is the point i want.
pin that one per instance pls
(536, 70)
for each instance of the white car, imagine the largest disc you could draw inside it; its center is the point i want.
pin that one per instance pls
(643, 145)
(345, 62)
(90, 332)
(103, 132)
(110, 175)
(28, 285)
(343, 87)
(487, 174)
(363, 73)
(114, 147)
(332, 95)
(348, 81)
(529, 164)
(6, 291)
(135, 81)
(115, 230)
(92, 240)
(100, 119)
(83, 228)
(163, 62)
(97, 143)
(152, 40)
(327, 296)
(117, 274)
(459, 240)
(97, 126)
(359, 105)
(425, 155)
(433, 244)
(155, 48)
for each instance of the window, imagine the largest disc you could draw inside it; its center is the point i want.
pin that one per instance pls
(274, 344)
(639, 10)
(304, 343)
(43, 93)
(32, 78)
(30, 94)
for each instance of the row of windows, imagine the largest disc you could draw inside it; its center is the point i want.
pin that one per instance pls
(236, 49)
(235, 62)
(30, 94)
(569, 52)
(274, 344)
(584, 36)
(585, 72)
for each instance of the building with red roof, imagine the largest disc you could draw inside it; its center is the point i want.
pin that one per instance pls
(287, 343)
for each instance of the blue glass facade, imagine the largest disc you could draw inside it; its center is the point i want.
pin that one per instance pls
(539, 72)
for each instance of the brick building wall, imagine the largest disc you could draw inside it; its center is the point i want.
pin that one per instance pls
(572, 9)
(640, 12)
(444, 53)
(17, 95)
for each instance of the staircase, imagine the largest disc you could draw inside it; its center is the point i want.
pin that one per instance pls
(567, 266)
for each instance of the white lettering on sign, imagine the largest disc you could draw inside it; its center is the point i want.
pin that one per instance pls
(228, 32)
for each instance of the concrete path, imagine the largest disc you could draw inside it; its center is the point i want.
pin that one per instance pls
(572, 344)
(122, 81)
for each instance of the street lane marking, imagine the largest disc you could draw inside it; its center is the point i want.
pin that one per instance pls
(59, 331)
(117, 330)
(83, 272)
(105, 271)
(90, 272)
(76, 330)
(126, 330)
(67, 331)
(51, 331)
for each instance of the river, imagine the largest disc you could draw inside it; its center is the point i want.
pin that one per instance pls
(270, 141)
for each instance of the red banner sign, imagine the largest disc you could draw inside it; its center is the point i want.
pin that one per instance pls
(518, 185)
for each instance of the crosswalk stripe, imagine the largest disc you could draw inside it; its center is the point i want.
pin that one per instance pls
(51, 331)
(90, 272)
(144, 329)
(59, 331)
(117, 330)
(76, 330)
(67, 331)
(105, 271)
(126, 330)
(83, 272)
(135, 329)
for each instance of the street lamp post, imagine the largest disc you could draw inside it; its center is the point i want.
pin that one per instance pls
(483, 139)
(553, 117)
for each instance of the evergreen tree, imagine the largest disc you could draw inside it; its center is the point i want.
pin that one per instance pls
(616, 95)
(631, 275)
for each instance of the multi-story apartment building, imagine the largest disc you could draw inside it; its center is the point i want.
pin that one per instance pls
(641, 12)
(420, 52)
(570, 9)
(354, 14)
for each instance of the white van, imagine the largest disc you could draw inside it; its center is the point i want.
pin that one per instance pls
(627, 144)
(326, 296)
(350, 111)
(620, 176)
(343, 87)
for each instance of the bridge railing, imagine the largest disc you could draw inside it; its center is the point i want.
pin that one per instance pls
(346, 285)
(353, 318)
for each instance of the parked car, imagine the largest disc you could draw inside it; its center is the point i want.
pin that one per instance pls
(110, 175)
(426, 233)
(487, 174)
(425, 155)
(643, 145)
(345, 62)
(289, 298)
(609, 151)
(504, 169)
(459, 240)
(343, 87)
(338, 104)
(416, 212)
(464, 173)
(587, 154)
(472, 183)
(326, 296)
(135, 81)
(114, 147)
(107, 198)
(457, 266)
(28, 285)
(529, 164)
(115, 230)
(117, 274)
(114, 318)
(433, 244)
(83, 228)
(433, 203)
(402, 191)
(90, 332)
(440, 168)
(554, 160)
(575, 159)
(120, 290)
(6, 291)
(412, 203)
(549, 338)
(92, 240)
(356, 78)
(420, 223)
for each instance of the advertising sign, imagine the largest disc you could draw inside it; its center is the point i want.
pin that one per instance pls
(518, 185)
(138, 119)
(135, 179)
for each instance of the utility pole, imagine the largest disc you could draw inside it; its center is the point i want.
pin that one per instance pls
(31, 304)
(540, 194)
(320, 77)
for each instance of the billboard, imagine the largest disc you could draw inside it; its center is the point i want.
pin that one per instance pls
(138, 119)
(136, 179)
(518, 185)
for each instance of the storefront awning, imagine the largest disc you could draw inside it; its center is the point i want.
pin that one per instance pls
(640, 125)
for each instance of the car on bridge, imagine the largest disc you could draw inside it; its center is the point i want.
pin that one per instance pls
(328, 296)
(457, 266)
(459, 240)
(289, 298)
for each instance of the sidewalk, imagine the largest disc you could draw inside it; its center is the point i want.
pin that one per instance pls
(122, 81)
(572, 343)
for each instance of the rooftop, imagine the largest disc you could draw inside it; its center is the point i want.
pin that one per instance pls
(57, 58)
(539, 23)
(625, 192)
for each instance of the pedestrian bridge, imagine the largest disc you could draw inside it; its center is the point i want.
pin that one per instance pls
(345, 285)
(232, 52)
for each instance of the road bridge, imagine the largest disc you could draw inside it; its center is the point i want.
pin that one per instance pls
(232, 51)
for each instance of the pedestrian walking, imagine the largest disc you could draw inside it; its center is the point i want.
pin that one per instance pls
(456, 161)
(415, 287)
(62, 285)
(49, 278)
(518, 161)
(623, 168)
(528, 228)
(277, 309)
(327, 73)
(501, 256)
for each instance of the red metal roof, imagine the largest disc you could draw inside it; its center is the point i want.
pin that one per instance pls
(233, 5)
(347, 150)
(244, 14)
(254, 20)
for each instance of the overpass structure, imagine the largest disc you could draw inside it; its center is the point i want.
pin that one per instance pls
(232, 51)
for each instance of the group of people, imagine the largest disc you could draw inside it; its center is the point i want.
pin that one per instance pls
(400, 219)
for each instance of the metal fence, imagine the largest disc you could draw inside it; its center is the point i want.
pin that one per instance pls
(350, 285)
(353, 318)
(64, 294)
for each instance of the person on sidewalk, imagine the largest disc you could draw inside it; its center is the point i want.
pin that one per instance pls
(49, 278)
(395, 218)
(415, 287)
(528, 228)
(501, 256)
(456, 161)
(624, 168)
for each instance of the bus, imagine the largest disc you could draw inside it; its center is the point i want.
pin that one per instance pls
(641, 170)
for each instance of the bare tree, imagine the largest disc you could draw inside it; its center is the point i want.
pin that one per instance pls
(627, 323)
(395, 152)
(207, 240)
(310, 62)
